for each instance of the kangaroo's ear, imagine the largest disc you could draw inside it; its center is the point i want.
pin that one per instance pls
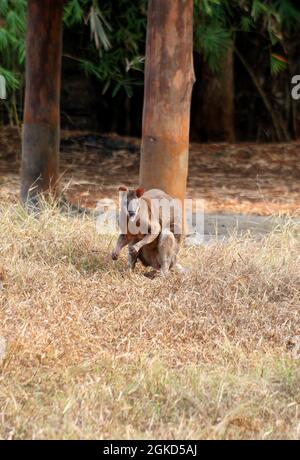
(140, 192)
(123, 189)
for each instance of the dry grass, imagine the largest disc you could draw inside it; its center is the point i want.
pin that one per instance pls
(95, 353)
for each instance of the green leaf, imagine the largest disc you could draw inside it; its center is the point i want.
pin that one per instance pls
(246, 23)
(258, 9)
(73, 13)
(116, 89)
(12, 81)
(98, 25)
(277, 65)
(213, 40)
(4, 41)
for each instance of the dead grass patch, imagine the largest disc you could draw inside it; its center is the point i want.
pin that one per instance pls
(92, 352)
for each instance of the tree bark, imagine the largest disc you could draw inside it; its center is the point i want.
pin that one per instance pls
(41, 129)
(169, 77)
(213, 101)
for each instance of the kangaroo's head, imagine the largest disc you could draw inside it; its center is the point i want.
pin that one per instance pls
(130, 201)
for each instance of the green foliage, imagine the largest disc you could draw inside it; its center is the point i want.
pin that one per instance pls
(98, 25)
(289, 15)
(118, 33)
(12, 81)
(12, 50)
(247, 24)
(217, 24)
(212, 33)
(74, 13)
(110, 36)
(116, 29)
(212, 40)
(258, 9)
(88, 12)
(277, 64)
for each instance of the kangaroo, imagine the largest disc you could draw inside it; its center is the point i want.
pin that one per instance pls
(157, 234)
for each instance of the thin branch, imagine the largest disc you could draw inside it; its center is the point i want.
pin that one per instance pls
(278, 123)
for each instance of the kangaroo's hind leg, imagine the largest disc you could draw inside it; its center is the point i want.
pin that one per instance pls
(132, 258)
(167, 250)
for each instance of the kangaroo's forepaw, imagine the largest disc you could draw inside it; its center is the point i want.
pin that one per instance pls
(114, 255)
(133, 251)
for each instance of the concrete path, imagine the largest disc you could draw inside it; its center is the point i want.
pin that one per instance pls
(218, 227)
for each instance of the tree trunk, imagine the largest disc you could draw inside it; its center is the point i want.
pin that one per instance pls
(213, 101)
(41, 130)
(169, 77)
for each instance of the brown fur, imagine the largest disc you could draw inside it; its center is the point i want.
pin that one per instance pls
(158, 249)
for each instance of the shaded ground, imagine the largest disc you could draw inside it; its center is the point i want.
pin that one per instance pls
(241, 178)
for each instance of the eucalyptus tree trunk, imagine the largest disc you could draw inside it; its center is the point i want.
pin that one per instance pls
(169, 77)
(41, 129)
(213, 101)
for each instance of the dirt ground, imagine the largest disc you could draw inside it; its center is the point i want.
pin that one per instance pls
(256, 179)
